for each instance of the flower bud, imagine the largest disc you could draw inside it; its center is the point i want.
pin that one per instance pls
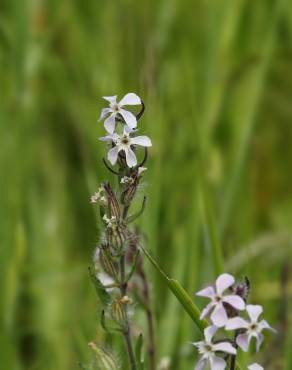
(132, 184)
(118, 311)
(107, 262)
(113, 205)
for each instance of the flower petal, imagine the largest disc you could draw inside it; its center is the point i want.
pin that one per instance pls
(223, 282)
(107, 138)
(209, 332)
(110, 123)
(201, 364)
(255, 366)
(206, 292)
(235, 301)
(236, 323)
(243, 341)
(254, 311)
(225, 347)
(141, 140)
(112, 155)
(130, 99)
(129, 118)
(259, 339)
(217, 363)
(111, 99)
(263, 324)
(219, 316)
(206, 310)
(130, 158)
(104, 112)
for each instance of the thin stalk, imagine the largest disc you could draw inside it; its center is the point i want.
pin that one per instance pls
(126, 330)
(150, 321)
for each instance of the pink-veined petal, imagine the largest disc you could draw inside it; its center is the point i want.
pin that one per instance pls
(131, 158)
(217, 363)
(254, 311)
(129, 118)
(201, 364)
(110, 123)
(263, 324)
(243, 341)
(206, 310)
(141, 140)
(223, 282)
(104, 112)
(225, 347)
(219, 316)
(259, 341)
(130, 99)
(208, 292)
(209, 332)
(111, 99)
(112, 155)
(234, 301)
(255, 366)
(107, 138)
(236, 323)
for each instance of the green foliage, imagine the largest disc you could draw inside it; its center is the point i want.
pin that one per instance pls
(216, 80)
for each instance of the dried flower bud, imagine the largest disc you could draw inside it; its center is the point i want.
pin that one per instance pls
(107, 261)
(118, 311)
(132, 182)
(113, 205)
(242, 288)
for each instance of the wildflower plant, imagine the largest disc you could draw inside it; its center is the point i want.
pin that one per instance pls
(225, 312)
(229, 324)
(117, 257)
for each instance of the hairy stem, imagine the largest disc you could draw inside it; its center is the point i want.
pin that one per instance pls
(150, 320)
(127, 331)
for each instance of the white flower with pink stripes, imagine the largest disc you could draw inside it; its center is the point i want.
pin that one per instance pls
(208, 351)
(116, 108)
(125, 143)
(253, 327)
(219, 300)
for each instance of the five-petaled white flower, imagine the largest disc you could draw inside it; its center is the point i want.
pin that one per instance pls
(253, 327)
(219, 316)
(255, 366)
(208, 350)
(124, 143)
(116, 108)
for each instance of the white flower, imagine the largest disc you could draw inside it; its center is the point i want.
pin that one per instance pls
(116, 108)
(127, 180)
(219, 315)
(141, 170)
(99, 196)
(110, 222)
(208, 351)
(124, 143)
(253, 327)
(255, 366)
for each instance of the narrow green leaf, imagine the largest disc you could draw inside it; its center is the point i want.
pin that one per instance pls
(138, 353)
(181, 295)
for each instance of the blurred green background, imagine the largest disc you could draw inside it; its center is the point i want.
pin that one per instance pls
(216, 77)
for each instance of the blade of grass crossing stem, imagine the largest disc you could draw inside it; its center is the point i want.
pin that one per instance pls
(181, 295)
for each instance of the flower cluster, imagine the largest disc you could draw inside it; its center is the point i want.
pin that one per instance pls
(117, 262)
(224, 310)
(123, 141)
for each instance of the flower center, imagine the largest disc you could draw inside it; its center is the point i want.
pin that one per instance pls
(208, 348)
(218, 299)
(115, 107)
(253, 327)
(125, 140)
